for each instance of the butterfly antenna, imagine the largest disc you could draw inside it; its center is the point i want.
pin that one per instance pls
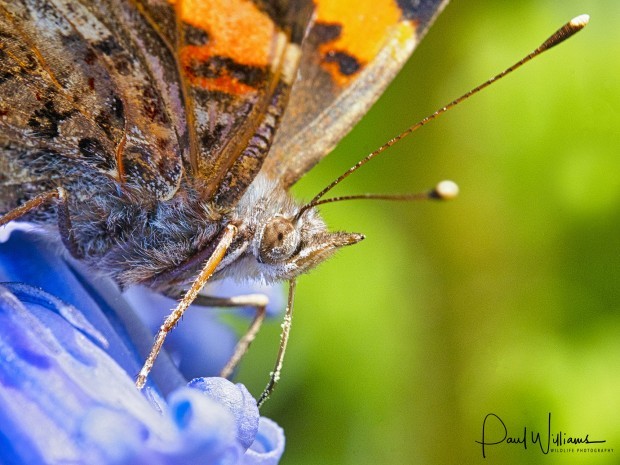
(444, 190)
(566, 31)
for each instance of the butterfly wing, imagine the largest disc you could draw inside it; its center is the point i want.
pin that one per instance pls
(84, 89)
(238, 60)
(148, 92)
(351, 54)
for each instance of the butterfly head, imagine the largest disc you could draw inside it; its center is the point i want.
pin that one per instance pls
(279, 243)
(299, 243)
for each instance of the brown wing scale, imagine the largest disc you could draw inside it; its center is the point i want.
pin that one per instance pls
(76, 94)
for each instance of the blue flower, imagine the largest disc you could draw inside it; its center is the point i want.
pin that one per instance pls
(69, 348)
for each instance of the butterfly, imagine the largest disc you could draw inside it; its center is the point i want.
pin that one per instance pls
(159, 138)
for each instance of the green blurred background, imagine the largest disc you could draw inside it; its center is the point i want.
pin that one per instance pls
(505, 300)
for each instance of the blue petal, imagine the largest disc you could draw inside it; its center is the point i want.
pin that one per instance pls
(268, 446)
(207, 428)
(238, 401)
(28, 258)
(66, 388)
(51, 376)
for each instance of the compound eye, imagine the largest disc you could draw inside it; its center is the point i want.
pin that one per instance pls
(279, 241)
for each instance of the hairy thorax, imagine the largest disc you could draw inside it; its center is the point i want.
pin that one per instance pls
(164, 244)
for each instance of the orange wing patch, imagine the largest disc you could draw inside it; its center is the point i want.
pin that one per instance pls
(192, 57)
(358, 32)
(226, 26)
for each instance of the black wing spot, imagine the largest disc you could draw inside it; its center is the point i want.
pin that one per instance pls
(194, 35)
(348, 65)
(218, 66)
(108, 46)
(44, 121)
(326, 32)
(94, 152)
(90, 148)
(421, 11)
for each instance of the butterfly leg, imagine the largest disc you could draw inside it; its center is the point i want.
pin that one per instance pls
(59, 196)
(28, 206)
(274, 376)
(65, 227)
(207, 271)
(259, 302)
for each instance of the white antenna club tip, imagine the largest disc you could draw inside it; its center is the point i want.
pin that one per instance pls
(580, 21)
(447, 190)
